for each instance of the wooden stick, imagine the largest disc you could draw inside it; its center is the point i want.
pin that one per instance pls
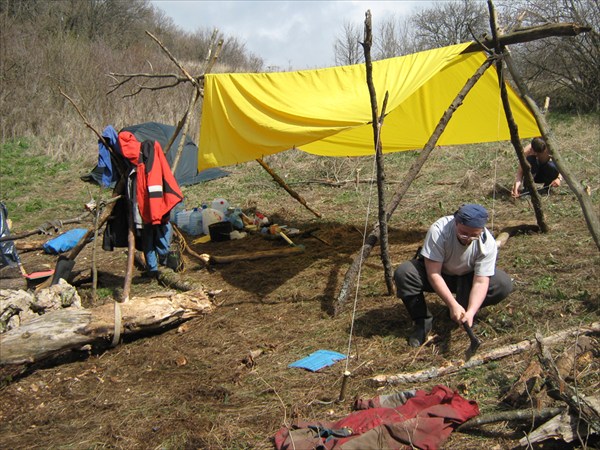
(514, 130)
(44, 228)
(287, 251)
(507, 416)
(587, 207)
(491, 355)
(528, 34)
(377, 123)
(283, 184)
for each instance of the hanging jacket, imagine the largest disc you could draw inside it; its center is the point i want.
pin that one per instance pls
(157, 190)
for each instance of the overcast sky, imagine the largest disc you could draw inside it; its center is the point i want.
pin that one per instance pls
(285, 34)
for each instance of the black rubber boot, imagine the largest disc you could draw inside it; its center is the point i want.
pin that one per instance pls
(422, 329)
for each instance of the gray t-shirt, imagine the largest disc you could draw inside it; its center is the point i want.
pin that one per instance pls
(442, 245)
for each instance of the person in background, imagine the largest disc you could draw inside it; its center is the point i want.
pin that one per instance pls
(458, 257)
(543, 168)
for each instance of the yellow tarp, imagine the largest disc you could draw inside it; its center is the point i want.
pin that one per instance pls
(328, 111)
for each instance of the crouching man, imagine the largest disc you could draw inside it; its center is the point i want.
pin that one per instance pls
(457, 257)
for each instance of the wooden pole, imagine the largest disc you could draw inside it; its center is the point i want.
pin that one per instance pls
(373, 237)
(589, 212)
(283, 184)
(528, 34)
(514, 129)
(377, 122)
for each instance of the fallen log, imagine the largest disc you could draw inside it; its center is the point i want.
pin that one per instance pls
(69, 328)
(482, 358)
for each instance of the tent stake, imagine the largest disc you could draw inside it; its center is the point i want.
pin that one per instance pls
(342, 396)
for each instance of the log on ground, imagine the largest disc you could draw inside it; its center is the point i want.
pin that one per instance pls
(70, 328)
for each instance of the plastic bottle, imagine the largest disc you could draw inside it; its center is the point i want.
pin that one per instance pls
(176, 209)
(182, 220)
(210, 216)
(220, 204)
(195, 227)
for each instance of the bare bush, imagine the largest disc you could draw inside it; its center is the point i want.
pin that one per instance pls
(347, 49)
(565, 69)
(72, 46)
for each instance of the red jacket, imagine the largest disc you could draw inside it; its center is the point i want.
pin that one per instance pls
(157, 190)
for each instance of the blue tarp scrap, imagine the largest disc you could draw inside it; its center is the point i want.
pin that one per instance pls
(318, 360)
(64, 242)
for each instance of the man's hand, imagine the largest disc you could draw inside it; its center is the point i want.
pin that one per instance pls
(457, 312)
(515, 190)
(468, 317)
(555, 183)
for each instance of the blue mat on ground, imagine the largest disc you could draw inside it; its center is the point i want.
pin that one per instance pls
(318, 360)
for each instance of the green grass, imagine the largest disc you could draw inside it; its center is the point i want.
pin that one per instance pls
(36, 188)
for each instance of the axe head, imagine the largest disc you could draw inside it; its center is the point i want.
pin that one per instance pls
(475, 342)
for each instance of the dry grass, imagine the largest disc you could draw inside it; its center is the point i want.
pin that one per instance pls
(137, 396)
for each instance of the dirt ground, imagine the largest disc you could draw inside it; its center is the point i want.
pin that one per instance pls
(195, 386)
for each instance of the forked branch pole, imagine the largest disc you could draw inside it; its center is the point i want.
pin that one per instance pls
(513, 128)
(373, 237)
(377, 123)
(589, 212)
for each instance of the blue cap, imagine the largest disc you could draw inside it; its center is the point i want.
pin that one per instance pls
(472, 215)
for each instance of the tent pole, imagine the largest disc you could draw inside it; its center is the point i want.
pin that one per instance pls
(536, 201)
(584, 199)
(377, 122)
(373, 237)
(187, 119)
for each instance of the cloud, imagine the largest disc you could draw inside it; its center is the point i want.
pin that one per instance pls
(285, 34)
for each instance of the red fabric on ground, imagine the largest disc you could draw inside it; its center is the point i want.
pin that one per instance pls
(424, 421)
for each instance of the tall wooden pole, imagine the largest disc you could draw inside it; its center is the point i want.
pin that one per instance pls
(590, 214)
(373, 237)
(536, 201)
(377, 122)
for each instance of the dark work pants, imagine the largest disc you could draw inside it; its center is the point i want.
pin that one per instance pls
(411, 281)
(543, 173)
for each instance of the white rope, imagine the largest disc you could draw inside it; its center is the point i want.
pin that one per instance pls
(370, 196)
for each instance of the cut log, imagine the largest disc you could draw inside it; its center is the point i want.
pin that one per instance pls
(526, 390)
(581, 406)
(69, 328)
(482, 358)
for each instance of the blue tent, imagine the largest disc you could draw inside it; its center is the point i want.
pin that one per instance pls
(187, 169)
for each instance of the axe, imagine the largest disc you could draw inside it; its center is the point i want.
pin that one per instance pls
(475, 342)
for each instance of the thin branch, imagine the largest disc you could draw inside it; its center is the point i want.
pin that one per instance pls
(172, 58)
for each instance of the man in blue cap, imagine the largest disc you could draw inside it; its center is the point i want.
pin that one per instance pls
(458, 257)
